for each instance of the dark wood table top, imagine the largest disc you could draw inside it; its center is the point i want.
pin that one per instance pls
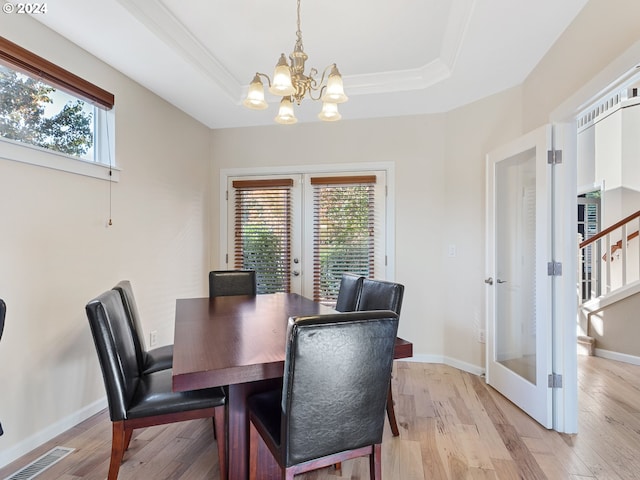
(237, 339)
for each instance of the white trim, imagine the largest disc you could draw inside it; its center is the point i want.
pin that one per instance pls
(32, 155)
(619, 357)
(452, 362)
(388, 167)
(42, 436)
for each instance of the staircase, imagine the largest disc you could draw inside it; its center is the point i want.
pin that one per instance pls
(609, 289)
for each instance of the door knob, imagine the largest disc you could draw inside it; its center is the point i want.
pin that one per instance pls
(489, 281)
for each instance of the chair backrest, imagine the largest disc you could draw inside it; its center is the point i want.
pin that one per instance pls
(131, 309)
(223, 283)
(116, 351)
(3, 312)
(380, 295)
(349, 292)
(337, 373)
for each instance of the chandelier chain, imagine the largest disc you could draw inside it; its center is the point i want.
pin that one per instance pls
(299, 31)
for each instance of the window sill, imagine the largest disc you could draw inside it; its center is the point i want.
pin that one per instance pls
(18, 152)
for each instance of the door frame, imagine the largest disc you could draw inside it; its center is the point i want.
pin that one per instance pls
(622, 68)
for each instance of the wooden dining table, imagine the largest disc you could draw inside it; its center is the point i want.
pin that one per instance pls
(240, 342)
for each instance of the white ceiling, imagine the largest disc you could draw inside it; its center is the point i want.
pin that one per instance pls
(399, 57)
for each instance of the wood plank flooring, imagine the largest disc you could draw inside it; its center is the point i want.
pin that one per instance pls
(452, 426)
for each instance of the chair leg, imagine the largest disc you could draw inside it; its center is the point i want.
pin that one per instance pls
(375, 462)
(391, 413)
(221, 439)
(118, 443)
(128, 433)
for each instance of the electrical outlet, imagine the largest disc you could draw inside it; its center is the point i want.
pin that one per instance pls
(153, 338)
(481, 336)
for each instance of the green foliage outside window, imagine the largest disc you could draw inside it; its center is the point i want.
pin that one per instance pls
(24, 116)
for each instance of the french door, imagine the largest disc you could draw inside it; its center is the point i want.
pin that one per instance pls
(300, 232)
(519, 284)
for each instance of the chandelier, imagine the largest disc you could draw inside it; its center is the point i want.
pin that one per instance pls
(291, 83)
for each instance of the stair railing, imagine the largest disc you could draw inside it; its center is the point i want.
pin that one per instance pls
(594, 259)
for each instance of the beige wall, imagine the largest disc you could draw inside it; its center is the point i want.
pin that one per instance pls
(616, 328)
(56, 252)
(601, 32)
(439, 185)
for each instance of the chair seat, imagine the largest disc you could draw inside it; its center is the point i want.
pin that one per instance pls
(160, 358)
(155, 397)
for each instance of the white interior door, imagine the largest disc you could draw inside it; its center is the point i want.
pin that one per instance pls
(519, 287)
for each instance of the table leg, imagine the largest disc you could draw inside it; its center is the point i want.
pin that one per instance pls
(238, 426)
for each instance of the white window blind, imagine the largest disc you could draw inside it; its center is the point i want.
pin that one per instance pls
(344, 233)
(262, 234)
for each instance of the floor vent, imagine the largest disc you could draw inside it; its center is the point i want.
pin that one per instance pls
(39, 465)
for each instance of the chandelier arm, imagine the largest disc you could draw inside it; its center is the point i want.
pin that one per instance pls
(319, 87)
(265, 76)
(320, 92)
(324, 73)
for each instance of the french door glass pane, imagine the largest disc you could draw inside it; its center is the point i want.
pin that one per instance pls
(515, 346)
(344, 234)
(263, 235)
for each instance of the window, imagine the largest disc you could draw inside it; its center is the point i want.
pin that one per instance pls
(300, 232)
(51, 110)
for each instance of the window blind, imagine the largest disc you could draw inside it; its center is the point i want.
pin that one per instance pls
(262, 227)
(23, 60)
(344, 231)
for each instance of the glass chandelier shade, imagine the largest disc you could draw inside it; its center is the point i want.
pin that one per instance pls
(335, 90)
(255, 97)
(329, 112)
(292, 84)
(286, 115)
(281, 84)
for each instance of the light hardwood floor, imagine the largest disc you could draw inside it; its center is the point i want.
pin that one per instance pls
(453, 426)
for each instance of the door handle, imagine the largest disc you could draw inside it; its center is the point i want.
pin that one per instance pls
(488, 281)
(500, 281)
(295, 273)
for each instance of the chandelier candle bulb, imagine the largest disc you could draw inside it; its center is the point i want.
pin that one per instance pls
(292, 84)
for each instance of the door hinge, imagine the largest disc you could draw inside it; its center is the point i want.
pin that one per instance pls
(554, 157)
(555, 380)
(554, 269)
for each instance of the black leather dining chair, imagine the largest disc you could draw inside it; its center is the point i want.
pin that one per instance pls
(3, 313)
(349, 292)
(137, 399)
(383, 295)
(152, 360)
(331, 405)
(232, 282)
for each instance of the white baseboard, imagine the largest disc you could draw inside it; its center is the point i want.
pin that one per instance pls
(34, 441)
(620, 357)
(452, 362)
